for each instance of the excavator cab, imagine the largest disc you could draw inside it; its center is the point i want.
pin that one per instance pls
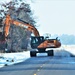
(36, 41)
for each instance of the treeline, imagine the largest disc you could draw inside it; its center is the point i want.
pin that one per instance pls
(66, 39)
(18, 37)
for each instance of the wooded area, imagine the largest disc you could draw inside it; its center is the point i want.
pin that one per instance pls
(18, 37)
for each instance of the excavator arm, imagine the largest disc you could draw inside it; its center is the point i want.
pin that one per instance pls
(8, 21)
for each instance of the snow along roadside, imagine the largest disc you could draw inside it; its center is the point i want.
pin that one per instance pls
(12, 58)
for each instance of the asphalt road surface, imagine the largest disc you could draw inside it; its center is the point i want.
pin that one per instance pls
(42, 66)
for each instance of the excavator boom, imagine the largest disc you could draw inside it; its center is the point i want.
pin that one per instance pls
(9, 21)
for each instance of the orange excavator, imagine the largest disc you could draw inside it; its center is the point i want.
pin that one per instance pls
(39, 43)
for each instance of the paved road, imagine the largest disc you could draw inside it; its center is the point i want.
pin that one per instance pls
(42, 66)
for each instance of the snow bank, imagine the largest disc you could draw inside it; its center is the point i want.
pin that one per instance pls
(12, 58)
(65, 50)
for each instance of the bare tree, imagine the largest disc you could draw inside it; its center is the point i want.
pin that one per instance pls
(18, 9)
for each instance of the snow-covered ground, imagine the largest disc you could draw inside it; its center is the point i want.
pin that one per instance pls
(65, 50)
(12, 58)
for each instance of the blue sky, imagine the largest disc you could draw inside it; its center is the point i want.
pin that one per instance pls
(54, 16)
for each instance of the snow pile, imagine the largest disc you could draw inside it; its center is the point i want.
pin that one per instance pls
(65, 50)
(12, 58)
